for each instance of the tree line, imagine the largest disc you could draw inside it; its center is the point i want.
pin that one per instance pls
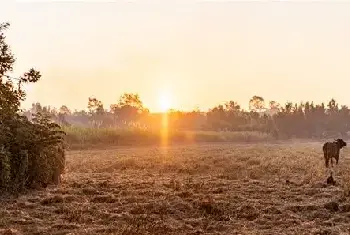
(291, 120)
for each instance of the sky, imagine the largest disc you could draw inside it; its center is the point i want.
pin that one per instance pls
(194, 53)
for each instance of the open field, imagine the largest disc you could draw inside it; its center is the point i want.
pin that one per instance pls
(189, 189)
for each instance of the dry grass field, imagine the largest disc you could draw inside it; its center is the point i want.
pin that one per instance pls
(189, 189)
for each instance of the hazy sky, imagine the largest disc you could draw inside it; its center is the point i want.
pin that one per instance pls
(201, 53)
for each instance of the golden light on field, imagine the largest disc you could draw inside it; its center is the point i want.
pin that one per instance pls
(165, 103)
(164, 130)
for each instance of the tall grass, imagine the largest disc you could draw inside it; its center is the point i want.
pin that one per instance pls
(83, 137)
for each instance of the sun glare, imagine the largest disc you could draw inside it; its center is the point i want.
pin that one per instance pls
(164, 101)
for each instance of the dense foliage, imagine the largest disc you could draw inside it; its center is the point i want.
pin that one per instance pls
(303, 120)
(31, 152)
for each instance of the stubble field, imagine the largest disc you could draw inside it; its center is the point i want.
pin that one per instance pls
(189, 189)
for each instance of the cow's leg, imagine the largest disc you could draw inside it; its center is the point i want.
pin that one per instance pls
(326, 160)
(337, 159)
(332, 162)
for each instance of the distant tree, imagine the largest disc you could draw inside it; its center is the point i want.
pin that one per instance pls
(332, 106)
(36, 107)
(217, 118)
(232, 106)
(288, 108)
(96, 111)
(130, 99)
(129, 109)
(80, 112)
(257, 103)
(64, 110)
(274, 105)
(95, 106)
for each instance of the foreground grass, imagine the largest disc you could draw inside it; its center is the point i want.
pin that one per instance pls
(189, 189)
(82, 137)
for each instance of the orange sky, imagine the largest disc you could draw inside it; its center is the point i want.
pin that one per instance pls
(200, 54)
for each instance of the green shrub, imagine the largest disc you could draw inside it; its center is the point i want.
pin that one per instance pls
(31, 152)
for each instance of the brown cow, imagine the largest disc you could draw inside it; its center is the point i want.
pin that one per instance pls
(331, 150)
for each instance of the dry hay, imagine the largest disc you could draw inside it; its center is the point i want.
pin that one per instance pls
(189, 189)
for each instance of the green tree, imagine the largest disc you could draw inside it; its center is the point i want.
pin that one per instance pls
(30, 152)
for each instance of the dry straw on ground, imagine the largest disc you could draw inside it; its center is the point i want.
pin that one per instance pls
(189, 189)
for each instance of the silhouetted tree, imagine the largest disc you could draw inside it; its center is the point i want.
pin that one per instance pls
(129, 109)
(274, 105)
(96, 111)
(257, 103)
(64, 110)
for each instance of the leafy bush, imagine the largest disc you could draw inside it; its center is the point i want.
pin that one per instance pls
(31, 152)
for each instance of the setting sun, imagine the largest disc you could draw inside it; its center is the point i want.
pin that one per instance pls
(164, 101)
